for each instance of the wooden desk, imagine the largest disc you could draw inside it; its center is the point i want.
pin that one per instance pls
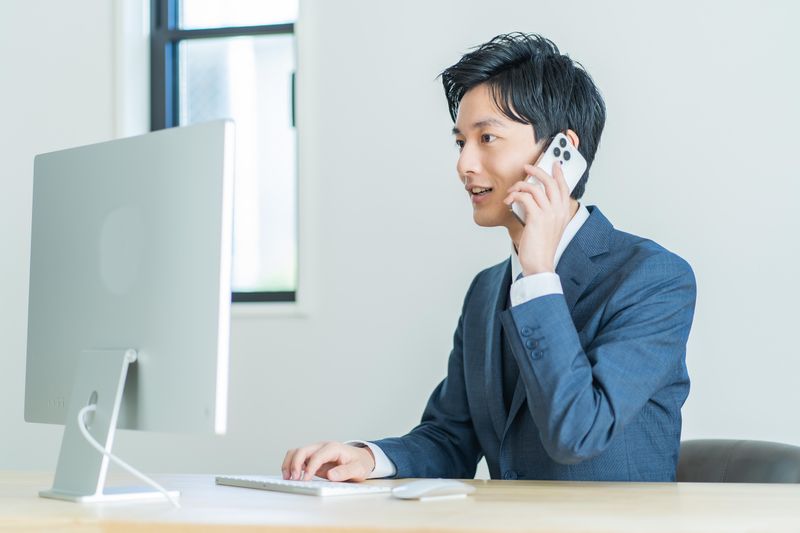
(495, 506)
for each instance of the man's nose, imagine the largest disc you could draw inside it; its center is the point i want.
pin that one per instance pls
(469, 162)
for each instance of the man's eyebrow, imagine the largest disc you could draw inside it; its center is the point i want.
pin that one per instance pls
(482, 124)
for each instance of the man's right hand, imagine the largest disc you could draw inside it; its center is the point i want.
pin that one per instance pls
(335, 461)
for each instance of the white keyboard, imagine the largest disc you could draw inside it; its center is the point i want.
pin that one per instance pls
(314, 487)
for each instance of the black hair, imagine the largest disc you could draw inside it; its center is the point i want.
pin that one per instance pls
(531, 82)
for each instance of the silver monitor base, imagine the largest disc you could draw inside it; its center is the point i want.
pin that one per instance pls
(111, 494)
(81, 471)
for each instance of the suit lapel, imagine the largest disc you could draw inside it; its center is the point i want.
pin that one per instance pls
(576, 271)
(576, 268)
(493, 375)
(516, 403)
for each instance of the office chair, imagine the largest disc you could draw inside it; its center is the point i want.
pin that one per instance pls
(738, 461)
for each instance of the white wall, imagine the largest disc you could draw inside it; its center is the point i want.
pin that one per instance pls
(697, 154)
(56, 91)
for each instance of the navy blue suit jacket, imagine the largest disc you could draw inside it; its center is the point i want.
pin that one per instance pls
(602, 371)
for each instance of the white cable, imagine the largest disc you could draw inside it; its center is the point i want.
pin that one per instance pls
(96, 445)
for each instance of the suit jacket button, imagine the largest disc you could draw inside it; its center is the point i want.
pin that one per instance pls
(530, 343)
(510, 474)
(537, 354)
(526, 331)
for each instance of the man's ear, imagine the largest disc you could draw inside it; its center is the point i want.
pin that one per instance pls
(573, 138)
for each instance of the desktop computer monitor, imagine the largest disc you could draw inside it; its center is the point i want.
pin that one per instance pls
(130, 261)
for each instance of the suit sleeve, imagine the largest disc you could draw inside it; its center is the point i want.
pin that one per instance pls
(581, 399)
(444, 444)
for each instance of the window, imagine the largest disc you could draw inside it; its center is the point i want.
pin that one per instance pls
(235, 59)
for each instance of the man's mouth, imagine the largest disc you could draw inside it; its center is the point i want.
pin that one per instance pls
(480, 191)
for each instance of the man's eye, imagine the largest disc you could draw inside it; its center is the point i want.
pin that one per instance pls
(460, 144)
(487, 137)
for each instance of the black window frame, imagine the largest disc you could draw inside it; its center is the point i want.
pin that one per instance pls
(165, 36)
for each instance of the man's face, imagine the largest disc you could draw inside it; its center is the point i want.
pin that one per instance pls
(493, 150)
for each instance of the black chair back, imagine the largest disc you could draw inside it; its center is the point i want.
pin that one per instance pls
(738, 461)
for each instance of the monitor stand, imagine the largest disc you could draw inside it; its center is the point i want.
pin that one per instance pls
(81, 471)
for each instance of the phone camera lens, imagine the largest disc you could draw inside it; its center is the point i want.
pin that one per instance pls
(563, 143)
(556, 151)
(566, 155)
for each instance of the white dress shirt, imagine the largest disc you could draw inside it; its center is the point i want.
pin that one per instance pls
(536, 285)
(522, 290)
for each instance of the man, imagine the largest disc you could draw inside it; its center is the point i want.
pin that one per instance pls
(568, 361)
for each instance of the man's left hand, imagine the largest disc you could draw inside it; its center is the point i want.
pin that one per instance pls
(548, 209)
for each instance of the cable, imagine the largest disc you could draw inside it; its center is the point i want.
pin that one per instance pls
(96, 445)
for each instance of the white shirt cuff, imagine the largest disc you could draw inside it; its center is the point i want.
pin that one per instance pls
(384, 467)
(529, 287)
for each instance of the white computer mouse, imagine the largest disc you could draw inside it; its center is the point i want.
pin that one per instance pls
(425, 489)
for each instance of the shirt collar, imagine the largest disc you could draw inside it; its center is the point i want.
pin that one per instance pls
(581, 216)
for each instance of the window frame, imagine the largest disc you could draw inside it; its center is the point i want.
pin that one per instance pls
(165, 37)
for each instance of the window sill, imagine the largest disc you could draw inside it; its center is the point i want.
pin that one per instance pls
(248, 310)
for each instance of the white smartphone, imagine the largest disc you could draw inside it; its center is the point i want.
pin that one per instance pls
(573, 165)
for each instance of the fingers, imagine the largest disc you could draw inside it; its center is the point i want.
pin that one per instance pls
(526, 186)
(334, 460)
(294, 462)
(539, 185)
(528, 201)
(558, 175)
(287, 462)
(347, 472)
(532, 197)
(549, 182)
(324, 469)
(330, 453)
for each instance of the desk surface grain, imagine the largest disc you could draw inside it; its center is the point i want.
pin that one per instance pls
(496, 506)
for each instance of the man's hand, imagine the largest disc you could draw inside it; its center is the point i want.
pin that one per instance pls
(548, 209)
(332, 460)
